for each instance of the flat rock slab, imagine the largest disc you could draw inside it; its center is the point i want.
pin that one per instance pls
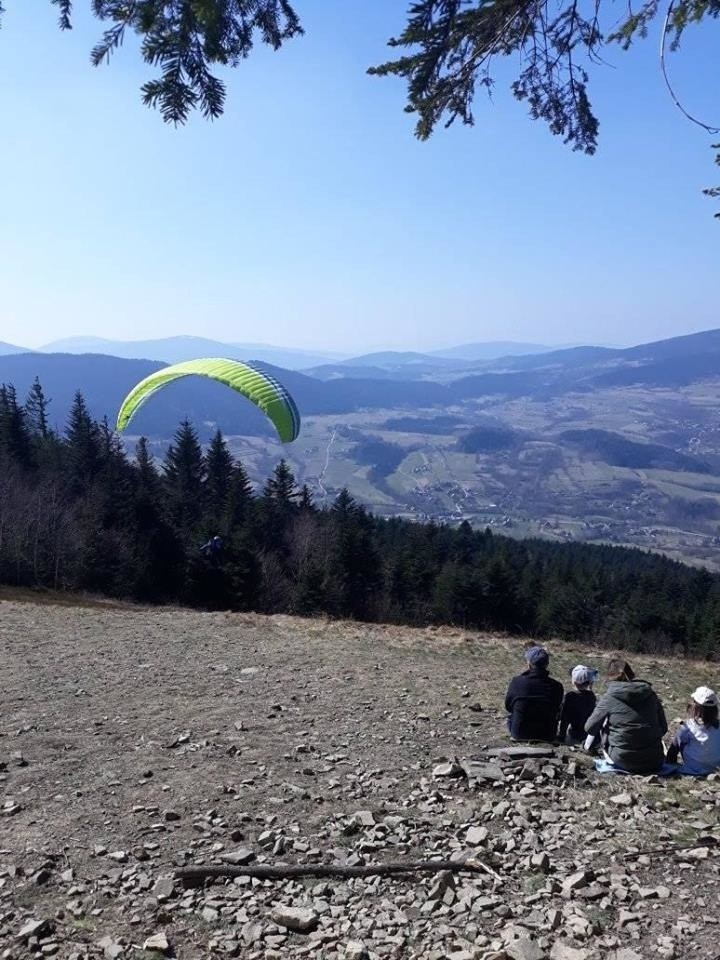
(519, 753)
(524, 949)
(158, 942)
(563, 951)
(482, 770)
(299, 919)
(238, 857)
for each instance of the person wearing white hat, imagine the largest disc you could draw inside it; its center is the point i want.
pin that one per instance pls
(578, 705)
(697, 739)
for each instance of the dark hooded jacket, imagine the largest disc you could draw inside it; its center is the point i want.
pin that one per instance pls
(533, 701)
(634, 719)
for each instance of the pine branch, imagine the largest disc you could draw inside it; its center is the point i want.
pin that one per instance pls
(453, 49)
(714, 192)
(65, 8)
(185, 38)
(111, 40)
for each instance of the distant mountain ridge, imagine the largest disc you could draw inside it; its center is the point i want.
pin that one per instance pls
(9, 348)
(176, 349)
(104, 380)
(490, 350)
(399, 358)
(326, 365)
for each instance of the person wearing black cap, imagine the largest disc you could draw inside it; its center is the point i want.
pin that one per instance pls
(533, 699)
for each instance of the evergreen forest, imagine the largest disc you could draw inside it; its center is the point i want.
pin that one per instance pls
(77, 514)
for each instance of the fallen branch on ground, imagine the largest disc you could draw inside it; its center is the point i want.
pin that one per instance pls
(287, 871)
(705, 841)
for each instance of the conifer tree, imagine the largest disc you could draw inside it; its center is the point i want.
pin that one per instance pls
(353, 576)
(147, 472)
(82, 444)
(36, 408)
(240, 498)
(281, 487)
(116, 476)
(147, 495)
(158, 558)
(14, 433)
(218, 481)
(183, 480)
(278, 501)
(305, 501)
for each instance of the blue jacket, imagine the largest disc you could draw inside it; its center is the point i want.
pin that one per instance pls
(533, 701)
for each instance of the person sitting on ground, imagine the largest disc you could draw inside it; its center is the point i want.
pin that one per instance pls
(578, 704)
(533, 699)
(697, 739)
(630, 718)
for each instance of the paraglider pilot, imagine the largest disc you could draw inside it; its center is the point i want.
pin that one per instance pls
(212, 549)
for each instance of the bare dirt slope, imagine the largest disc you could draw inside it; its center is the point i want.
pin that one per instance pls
(136, 741)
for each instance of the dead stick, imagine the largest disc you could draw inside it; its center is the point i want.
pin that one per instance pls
(673, 848)
(286, 871)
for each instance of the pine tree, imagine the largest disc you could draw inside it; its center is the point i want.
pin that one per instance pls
(306, 499)
(281, 487)
(354, 568)
(240, 498)
(109, 444)
(276, 508)
(15, 439)
(36, 407)
(145, 463)
(116, 476)
(183, 480)
(158, 559)
(218, 481)
(344, 507)
(82, 445)
(147, 493)
(464, 543)
(500, 591)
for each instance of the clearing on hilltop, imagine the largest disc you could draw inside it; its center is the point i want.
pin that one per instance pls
(138, 742)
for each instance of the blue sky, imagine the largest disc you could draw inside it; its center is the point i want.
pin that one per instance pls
(309, 216)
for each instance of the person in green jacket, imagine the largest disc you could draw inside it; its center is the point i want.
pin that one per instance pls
(630, 720)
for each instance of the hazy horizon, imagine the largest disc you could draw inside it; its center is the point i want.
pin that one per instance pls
(319, 348)
(309, 217)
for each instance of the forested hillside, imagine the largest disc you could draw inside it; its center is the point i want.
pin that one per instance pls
(77, 514)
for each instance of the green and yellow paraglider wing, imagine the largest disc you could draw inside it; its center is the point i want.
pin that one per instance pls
(262, 390)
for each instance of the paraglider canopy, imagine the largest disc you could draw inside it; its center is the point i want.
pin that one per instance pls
(261, 389)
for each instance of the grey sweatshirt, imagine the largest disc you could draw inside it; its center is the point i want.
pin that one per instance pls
(636, 725)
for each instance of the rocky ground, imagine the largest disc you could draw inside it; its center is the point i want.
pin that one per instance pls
(134, 742)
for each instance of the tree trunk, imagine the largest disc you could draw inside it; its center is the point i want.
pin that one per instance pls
(285, 871)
